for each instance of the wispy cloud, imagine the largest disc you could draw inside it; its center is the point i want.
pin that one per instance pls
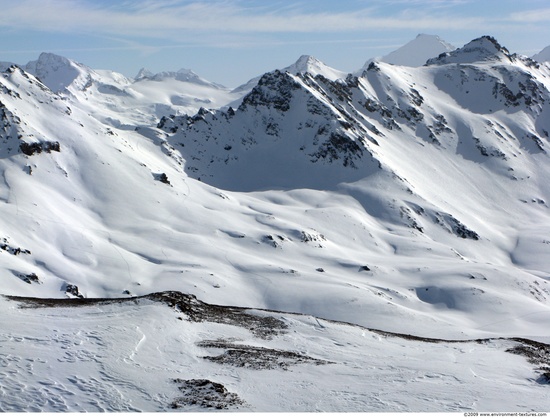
(424, 3)
(532, 16)
(166, 19)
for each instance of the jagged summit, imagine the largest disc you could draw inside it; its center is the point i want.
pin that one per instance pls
(485, 48)
(4, 65)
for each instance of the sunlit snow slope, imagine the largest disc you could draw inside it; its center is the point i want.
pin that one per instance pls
(169, 352)
(426, 189)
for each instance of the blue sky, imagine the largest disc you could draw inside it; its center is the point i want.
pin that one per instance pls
(231, 41)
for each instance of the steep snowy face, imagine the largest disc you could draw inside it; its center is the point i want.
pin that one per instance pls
(22, 95)
(289, 132)
(416, 52)
(337, 125)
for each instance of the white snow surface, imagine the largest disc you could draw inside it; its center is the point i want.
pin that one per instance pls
(126, 357)
(410, 200)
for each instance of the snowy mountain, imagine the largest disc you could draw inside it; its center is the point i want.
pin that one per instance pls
(402, 200)
(543, 56)
(184, 75)
(122, 102)
(485, 48)
(60, 73)
(416, 52)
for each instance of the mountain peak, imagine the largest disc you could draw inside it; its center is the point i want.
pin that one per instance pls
(55, 71)
(543, 55)
(416, 52)
(47, 62)
(310, 64)
(51, 60)
(307, 61)
(144, 73)
(484, 48)
(304, 64)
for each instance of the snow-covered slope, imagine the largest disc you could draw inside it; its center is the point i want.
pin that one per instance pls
(414, 53)
(412, 200)
(170, 352)
(441, 156)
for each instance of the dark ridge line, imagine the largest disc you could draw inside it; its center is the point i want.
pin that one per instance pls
(169, 296)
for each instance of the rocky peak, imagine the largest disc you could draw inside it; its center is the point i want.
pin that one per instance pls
(144, 73)
(274, 89)
(485, 48)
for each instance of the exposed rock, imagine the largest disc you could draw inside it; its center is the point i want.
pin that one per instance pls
(257, 358)
(37, 147)
(205, 394)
